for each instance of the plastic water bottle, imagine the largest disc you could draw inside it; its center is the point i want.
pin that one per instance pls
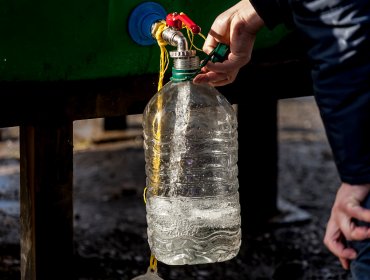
(191, 149)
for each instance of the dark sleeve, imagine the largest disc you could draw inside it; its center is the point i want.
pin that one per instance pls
(338, 41)
(273, 12)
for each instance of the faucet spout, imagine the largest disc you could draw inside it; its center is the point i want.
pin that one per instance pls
(175, 38)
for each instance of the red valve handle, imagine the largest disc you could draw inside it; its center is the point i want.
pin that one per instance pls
(176, 20)
(173, 21)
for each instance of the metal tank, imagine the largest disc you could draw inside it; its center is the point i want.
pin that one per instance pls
(87, 39)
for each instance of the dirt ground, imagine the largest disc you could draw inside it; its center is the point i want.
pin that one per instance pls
(109, 212)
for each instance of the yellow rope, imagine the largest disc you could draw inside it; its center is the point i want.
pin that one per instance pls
(164, 58)
(163, 65)
(191, 39)
(157, 121)
(202, 36)
(158, 29)
(153, 263)
(144, 194)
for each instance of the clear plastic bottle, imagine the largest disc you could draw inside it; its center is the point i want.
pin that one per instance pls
(191, 150)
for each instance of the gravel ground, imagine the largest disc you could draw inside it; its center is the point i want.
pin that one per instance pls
(110, 225)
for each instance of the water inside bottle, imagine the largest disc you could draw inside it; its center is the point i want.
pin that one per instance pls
(190, 142)
(188, 230)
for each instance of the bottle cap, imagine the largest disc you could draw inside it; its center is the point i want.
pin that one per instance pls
(181, 75)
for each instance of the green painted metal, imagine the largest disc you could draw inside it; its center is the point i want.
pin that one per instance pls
(43, 40)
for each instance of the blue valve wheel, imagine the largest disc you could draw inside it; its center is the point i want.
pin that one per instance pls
(141, 21)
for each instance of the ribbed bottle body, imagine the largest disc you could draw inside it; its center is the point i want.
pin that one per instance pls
(191, 149)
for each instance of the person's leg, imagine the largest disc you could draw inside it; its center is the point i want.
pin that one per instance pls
(360, 268)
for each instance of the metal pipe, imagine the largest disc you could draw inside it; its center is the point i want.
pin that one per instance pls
(175, 38)
(183, 58)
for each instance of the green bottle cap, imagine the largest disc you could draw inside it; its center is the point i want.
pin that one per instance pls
(180, 75)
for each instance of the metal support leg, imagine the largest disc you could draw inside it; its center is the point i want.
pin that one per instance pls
(46, 151)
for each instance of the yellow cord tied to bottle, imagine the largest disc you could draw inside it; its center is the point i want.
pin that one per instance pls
(158, 29)
(153, 263)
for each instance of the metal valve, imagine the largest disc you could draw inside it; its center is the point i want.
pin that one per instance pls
(177, 20)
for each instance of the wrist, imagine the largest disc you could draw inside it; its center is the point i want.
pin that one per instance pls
(250, 16)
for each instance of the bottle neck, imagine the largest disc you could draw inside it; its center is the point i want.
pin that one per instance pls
(185, 66)
(182, 75)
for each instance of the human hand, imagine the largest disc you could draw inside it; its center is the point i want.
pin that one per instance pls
(236, 27)
(341, 227)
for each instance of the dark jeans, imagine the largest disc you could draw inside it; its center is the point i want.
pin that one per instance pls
(360, 268)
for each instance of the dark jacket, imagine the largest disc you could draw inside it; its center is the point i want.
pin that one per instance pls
(338, 41)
